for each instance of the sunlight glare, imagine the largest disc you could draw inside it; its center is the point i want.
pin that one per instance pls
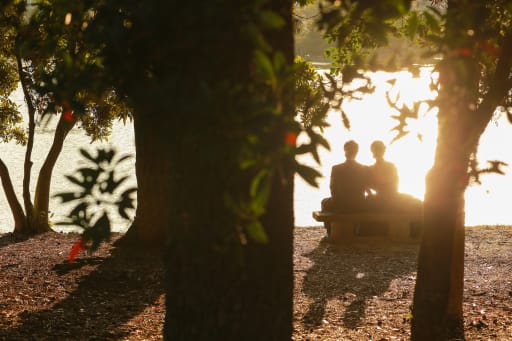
(370, 119)
(413, 154)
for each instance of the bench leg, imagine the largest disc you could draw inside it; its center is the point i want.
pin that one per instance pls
(400, 230)
(341, 232)
(327, 226)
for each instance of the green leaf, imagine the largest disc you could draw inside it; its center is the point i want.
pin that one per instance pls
(105, 156)
(126, 202)
(79, 211)
(256, 182)
(317, 139)
(307, 173)
(123, 158)
(412, 25)
(256, 232)
(432, 22)
(271, 20)
(63, 222)
(89, 175)
(264, 65)
(316, 157)
(99, 232)
(345, 120)
(88, 156)
(279, 61)
(74, 180)
(350, 73)
(303, 149)
(110, 185)
(123, 207)
(67, 196)
(247, 164)
(259, 197)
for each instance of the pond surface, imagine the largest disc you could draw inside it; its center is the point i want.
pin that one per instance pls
(488, 203)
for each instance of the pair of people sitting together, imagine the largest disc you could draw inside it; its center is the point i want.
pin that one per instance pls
(359, 188)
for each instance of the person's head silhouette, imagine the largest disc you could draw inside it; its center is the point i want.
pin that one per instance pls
(351, 148)
(378, 149)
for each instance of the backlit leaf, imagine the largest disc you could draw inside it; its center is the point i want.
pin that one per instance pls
(310, 175)
(256, 232)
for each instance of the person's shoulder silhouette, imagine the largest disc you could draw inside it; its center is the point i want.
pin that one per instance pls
(383, 174)
(384, 181)
(348, 183)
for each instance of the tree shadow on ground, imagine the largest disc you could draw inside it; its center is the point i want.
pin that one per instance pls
(107, 298)
(352, 275)
(10, 238)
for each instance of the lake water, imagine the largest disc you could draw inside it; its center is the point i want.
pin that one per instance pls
(488, 203)
(69, 160)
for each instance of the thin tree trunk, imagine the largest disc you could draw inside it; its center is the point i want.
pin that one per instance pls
(27, 166)
(20, 223)
(42, 193)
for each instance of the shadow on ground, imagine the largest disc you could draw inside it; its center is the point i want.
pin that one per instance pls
(120, 288)
(339, 273)
(10, 238)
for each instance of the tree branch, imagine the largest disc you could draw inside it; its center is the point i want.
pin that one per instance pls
(499, 87)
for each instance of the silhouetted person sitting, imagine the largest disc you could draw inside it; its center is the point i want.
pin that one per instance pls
(349, 181)
(383, 180)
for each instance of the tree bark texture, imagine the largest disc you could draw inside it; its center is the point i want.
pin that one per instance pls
(20, 223)
(218, 288)
(437, 307)
(40, 211)
(221, 284)
(152, 167)
(27, 165)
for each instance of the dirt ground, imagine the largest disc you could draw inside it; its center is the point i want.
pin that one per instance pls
(362, 292)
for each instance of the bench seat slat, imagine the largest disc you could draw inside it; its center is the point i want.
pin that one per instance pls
(331, 216)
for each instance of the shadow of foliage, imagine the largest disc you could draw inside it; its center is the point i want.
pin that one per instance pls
(65, 267)
(119, 289)
(353, 274)
(11, 238)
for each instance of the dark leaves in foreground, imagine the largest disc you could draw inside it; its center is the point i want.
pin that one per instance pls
(99, 192)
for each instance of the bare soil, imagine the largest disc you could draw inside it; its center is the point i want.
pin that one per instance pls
(361, 292)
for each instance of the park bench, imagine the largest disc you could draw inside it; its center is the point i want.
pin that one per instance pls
(350, 227)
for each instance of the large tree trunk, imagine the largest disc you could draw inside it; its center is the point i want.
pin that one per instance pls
(221, 284)
(216, 288)
(464, 112)
(152, 168)
(40, 210)
(437, 309)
